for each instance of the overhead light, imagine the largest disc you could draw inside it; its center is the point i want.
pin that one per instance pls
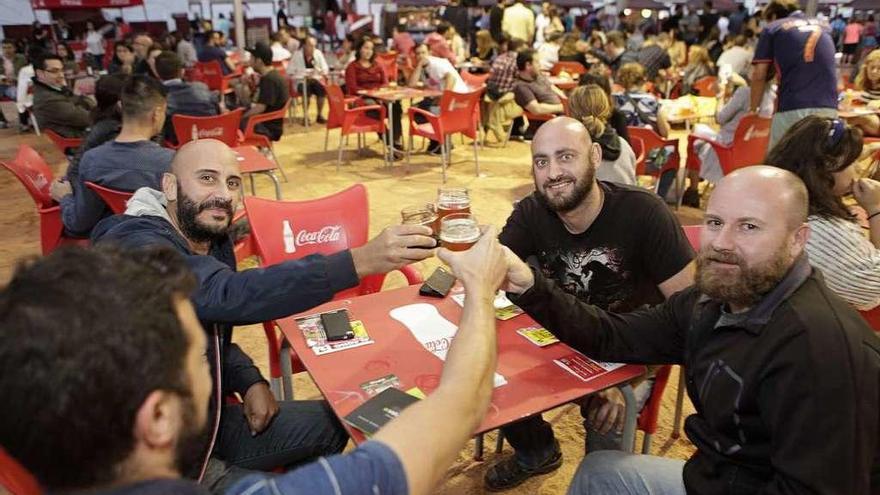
(627, 12)
(646, 13)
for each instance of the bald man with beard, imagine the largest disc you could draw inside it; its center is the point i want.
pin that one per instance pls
(782, 373)
(192, 214)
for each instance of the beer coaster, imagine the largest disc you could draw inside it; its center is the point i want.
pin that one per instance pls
(541, 337)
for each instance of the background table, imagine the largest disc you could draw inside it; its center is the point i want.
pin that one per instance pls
(391, 94)
(534, 382)
(251, 161)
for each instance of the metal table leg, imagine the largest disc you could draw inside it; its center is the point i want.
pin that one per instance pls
(478, 447)
(631, 415)
(679, 404)
(286, 370)
(390, 149)
(275, 181)
(306, 102)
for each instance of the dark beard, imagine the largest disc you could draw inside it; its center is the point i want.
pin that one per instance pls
(187, 210)
(750, 285)
(583, 186)
(192, 445)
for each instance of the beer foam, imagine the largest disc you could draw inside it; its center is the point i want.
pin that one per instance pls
(460, 230)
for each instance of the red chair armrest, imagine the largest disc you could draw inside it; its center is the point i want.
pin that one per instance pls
(413, 277)
(434, 120)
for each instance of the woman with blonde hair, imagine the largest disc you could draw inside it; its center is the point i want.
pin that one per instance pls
(868, 82)
(699, 66)
(484, 48)
(590, 105)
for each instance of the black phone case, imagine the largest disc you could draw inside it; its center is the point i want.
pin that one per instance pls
(438, 284)
(336, 325)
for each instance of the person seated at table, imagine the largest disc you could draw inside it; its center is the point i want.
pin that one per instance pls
(214, 50)
(364, 74)
(533, 92)
(280, 53)
(150, 412)
(737, 55)
(640, 107)
(548, 52)
(822, 152)
(184, 98)
(699, 66)
(614, 53)
(589, 105)
(55, 105)
(653, 55)
(784, 375)
(310, 58)
(438, 74)
(456, 44)
(580, 233)
(12, 63)
(123, 59)
(868, 82)
(106, 119)
(617, 119)
(68, 58)
(484, 49)
(502, 73)
(401, 41)
(130, 161)
(273, 93)
(569, 51)
(439, 45)
(192, 214)
(732, 105)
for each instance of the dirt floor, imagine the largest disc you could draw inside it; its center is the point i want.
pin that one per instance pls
(505, 177)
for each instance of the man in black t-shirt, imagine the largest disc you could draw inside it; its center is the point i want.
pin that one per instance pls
(272, 93)
(617, 247)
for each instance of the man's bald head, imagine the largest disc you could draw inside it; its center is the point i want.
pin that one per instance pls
(766, 182)
(196, 154)
(567, 128)
(564, 161)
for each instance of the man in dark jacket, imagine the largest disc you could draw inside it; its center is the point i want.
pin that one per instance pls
(55, 106)
(783, 374)
(184, 98)
(193, 217)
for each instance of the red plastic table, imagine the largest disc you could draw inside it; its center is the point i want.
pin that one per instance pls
(534, 382)
(251, 161)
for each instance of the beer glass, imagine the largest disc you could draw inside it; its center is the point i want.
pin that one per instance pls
(452, 200)
(420, 215)
(459, 231)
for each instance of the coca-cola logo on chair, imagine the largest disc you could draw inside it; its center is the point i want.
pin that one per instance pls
(325, 235)
(210, 133)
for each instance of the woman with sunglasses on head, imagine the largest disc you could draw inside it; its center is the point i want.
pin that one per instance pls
(822, 152)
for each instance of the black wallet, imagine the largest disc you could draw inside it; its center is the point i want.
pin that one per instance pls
(438, 284)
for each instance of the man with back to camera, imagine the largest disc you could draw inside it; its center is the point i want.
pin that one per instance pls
(617, 247)
(184, 97)
(147, 420)
(783, 374)
(192, 214)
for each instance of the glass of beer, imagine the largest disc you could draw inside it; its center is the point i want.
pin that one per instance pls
(452, 200)
(459, 231)
(420, 215)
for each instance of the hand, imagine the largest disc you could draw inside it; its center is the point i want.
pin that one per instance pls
(395, 247)
(606, 411)
(59, 188)
(259, 407)
(867, 193)
(480, 268)
(519, 276)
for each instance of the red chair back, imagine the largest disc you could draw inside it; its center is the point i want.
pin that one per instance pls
(651, 140)
(34, 173)
(872, 316)
(570, 67)
(320, 226)
(457, 112)
(336, 106)
(250, 136)
(475, 81)
(61, 142)
(15, 478)
(212, 74)
(749, 144)
(693, 235)
(388, 62)
(647, 420)
(705, 86)
(223, 127)
(114, 199)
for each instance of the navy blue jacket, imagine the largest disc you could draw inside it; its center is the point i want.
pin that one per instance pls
(186, 98)
(225, 297)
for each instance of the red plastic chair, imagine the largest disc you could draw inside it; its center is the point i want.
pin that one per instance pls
(547, 116)
(474, 81)
(350, 120)
(651, 140)
(748, 148)
(872, 316)
(34, 173)
(252, 138)
(212, 75)
(61, 142)
(570, 67)
(706, 86)
(15, 478)
(647, 421)
(458, 114)
(223, 127)
(321, 226)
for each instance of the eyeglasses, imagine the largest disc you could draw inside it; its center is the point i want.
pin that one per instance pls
(56, 70)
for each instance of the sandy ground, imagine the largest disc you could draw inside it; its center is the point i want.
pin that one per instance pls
(311, 170)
